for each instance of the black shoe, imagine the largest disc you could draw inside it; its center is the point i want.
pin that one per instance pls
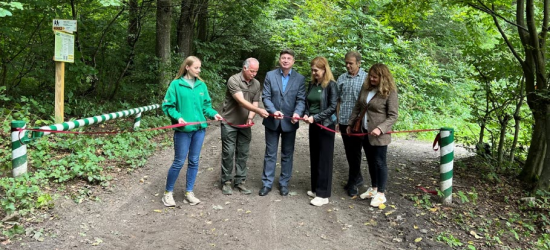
(358, 183)
(264, 191)
(346, 187)
(353, 191)
(284, 191)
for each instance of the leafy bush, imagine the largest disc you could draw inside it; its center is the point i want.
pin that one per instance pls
(23, 194)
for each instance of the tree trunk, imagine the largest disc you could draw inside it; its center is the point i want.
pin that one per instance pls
(3, 75)
(535, 157)
(481, 132)
(203, 21)
(480, 147)
(544, 181)
(536, 154)
(132, 22)
(502, 139)
(517, 120)
(517, 127)
(92, 78)
(134, 32)
(185, 29)
(163, 41)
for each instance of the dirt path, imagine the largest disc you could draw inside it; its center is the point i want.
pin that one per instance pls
(133, 217)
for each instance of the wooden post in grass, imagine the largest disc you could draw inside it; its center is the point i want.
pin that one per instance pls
(59, 91)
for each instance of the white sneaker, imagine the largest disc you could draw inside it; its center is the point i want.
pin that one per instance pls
(190, 197)
(379, 198)
(371, 192)
(311, 194)
(168, 200)
(318, 201)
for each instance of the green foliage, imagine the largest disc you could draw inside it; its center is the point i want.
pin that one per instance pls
(5, 8)
(107, 3)
(543, 242)
(468, 196)
(432, 79)
(449, 239)
(23, 194)
(423, 200)
(15, 230)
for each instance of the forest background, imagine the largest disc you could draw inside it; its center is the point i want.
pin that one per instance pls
(477, 66)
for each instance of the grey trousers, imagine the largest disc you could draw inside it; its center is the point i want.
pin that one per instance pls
(235, 148)
(270, 159)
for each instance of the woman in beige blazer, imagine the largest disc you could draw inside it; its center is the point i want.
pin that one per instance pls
(375, 112)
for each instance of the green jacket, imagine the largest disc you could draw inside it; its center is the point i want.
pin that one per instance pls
(191, 104)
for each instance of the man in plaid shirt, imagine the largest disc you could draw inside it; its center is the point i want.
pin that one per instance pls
(349, 86)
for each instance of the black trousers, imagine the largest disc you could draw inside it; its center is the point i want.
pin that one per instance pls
(352, 146)
(321, 152)
(378, 169)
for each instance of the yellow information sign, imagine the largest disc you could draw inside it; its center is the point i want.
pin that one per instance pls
(64, 47)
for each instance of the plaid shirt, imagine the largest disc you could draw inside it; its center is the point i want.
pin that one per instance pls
(349, 88)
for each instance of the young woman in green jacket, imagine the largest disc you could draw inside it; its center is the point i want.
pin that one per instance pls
(187, 100)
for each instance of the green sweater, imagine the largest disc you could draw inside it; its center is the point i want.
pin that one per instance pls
(191, 104)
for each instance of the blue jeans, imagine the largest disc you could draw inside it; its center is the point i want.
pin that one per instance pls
(185, 143)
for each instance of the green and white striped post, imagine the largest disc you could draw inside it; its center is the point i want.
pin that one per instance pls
(18, 149)
(447, 145)
(137, 121)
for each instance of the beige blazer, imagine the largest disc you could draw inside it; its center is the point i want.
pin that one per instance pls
(381, 113)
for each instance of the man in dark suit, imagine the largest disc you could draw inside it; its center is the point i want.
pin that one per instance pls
(284, 96)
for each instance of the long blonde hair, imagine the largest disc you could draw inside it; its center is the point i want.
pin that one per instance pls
(187, 62)
(322, 63)
(386, 83)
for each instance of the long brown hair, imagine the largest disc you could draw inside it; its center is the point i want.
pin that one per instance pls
(386, 83)
(187, 62)
(322, 63)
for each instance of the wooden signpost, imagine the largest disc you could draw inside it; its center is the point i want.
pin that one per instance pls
(64, 52)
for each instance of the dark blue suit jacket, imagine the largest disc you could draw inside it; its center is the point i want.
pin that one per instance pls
(291, 101)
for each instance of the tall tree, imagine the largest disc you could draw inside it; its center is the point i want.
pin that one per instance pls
(531, 25)
(133, 9)
(186, 27)
(202, 25)
(164, 24)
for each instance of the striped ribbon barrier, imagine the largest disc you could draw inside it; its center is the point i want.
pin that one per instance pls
(20, 135)
(445, 139)
(99, 119)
